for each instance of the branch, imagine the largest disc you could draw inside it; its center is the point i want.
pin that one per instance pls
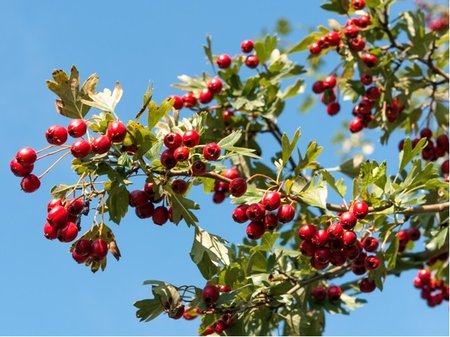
(430, 208)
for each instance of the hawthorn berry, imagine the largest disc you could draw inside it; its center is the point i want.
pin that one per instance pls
(424, 275)
(333, 108)
(80, 149)
(357, 43)
(191, 138)
(319, 293)
(210, 294)
(358, 4)
(251, 61)
(30, 183)
(76, 128)
(20, 170)
(351, 31)
(334, 293)
(50, 232)
(374, 93)
(370, 60)
(333, 38)
(215, 85)
(79, 258)
(160, 215)
(255, 230)
(320, 238)
(366, 285)
(238, 187)
(360, 209)
(99, 249)
(226, 116)
(348, 220)
(247, 46)
(239, 214)
(179, 186)
(205, 96)
(177, 102)
(335, 231)
(189, 100)
(286, 213)
(255, 212)
(318, 87)
(307, 248)
(403, 237)
(371, 262)
(231, 173)
(172, 140)
(445, 167)
(271, 200)
(329, 82)
(68, 233)
(26, 156)
(56, 135)
(53, 203)
(223, 61)
(349, 238)
(307, 231)
(443, 142)
(116, 131)
(364, 21)
(101, 144)
(322, 255)
(198, 167)
(211, 151)
(181, 153)
(315, 48)
(83, 247)
(270, 221)
(137, 198)
(145, 211)
(75, 206)
(167, 159)
(356, 125)
(366, 78)
(219, 197)
(370, 244)
(338, 258)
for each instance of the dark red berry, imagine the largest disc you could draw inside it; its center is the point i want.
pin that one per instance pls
(56, 135)
(374, 93)
(219, 197)
(320, 238)
(68, 233)
(255, 230)
(256, 212)
(247, 46)
(318, 87)
(30, 183)
(307, 248)
(370, 60)
(360, 209)
(335, 231)
(179, 186)
(79, 258)
(351, 31)
(307, 231)
(348, 220)
(270, 221)
(211, 151)
(145, 211)
(426, 133)
(238, 187)
(75, 206)
(172, 140)
(366, 78)
(83, 247)
(322, 255)
(319, 293)
(286, 213)
(191, 138)
(240, 214)
(349, 238)
(210, 294)
(334, 293)
(370, 244)
(167, 159)
(371, 262)
(252, 61)
(99, 249)
(181, 153)
(160, 215)
(357, 43)
(77, 128)
(366, 285)
(215, 85)
(198, 167)
(333, 108)
(445, 167)
(137, 198)
(223, 61)
(271, 200)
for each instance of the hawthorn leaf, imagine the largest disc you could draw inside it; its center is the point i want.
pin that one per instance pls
(408, 152)
(117, 201)
(148, 309)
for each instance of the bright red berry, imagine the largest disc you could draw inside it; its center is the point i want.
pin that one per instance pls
(172, 140)
(99, 249)
(307, 231)
(116, 131)
(247, 46)
(50, 232)
(205, 96)
(315, 48)
(77, 128)
(424, 275)
(252, 61)
(215, 85)
(68, 233)
(370, 60)
(177, 102)
(256, 212)
(211, 151)
(371, 262)
(329, 82)
(370, 244)
(75, 206)
(271, 200)
(348, 220)
(101, 144)
(334, 293)
(270, 221)
(238, 187)
(360, 209)
(30, 183)
(240, 213)
(351, 31)
(223, 61)
(349, 238)
(356, 125)
(335, 231)
(81, 148)
(20, 170)
(181, 153)
(189, 100)
(255, 230)
(191, 138)
(357, 43)
(286, 213)
(56, 135)
(322, 255)
(320, 238)
(210, 294)
(333, 38)
(358, 4)
(26, 156)
(231, 173)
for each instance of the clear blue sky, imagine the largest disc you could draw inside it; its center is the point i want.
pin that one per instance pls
(42, 291)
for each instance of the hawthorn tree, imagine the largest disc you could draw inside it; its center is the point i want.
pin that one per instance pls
(282, 276)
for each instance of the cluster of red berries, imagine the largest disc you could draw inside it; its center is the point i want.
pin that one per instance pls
(261, 214)
(144, 202)
(179, 150)
(210, 295)
(434, 291)
(326, 88)
(404, 236)
(23, 164)
(237, 187)
(220, 325)
(223, 61)
(333, 293)
(338, 243)
(433, 150)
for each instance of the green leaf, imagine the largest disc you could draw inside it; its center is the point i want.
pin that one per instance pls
(289, 146)
(352, 166)
(143, 138)
(338, 6)
(315, 194)
(392, 252)
(117, 201)
(208, 252)
(148, 309)
(408, 153)
(308, 161)
(68, 90)
(293, 90)
(155, 115)
(439, 240)
(182, 206)
(208, 50)
(338, 186)
(230, 140)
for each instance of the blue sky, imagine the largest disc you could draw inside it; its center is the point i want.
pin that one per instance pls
(42, 291)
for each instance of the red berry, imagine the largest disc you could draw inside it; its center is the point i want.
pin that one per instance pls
(26, 156)
(75, 206)
(286, 213)
(80, 149)
(357, 43)
(223, 61)
(215, 85)
(189, 100)
(318, 87)
(172, 140)
(356, 125)
(403, 237)
(315, 48)
(366, 285)
(320, 238)
(30, 183)
(371, 262)
(99, 249)
(307, 248)
(101, 144)
(319, 293)
(338, 258)
(252, 61)
(211, 151)
(349, 238)
(360, 209)
(256, 212)
(255, 230)
(209, 330)
(424, 275)
(179, 186)
(418, 282)
(177, 102)
(328, 97)
(364, 21)
(231, 173)
(79, 258)
(270, 221)
(366, 78)
(271, 200)
(358, 4)
(160, 215)
(370, 244)
(322, 255)
(307, 231)
(20, 170)
(374, 93)
(329, 82)
(57, 216)
(53, 203)
(191, 138)
(445, 167)
(335, 231)
(351, 31)
(370, 60)
(224, 288)
(426, 133)
(247, 46)
(205, 96)
(226, 116)
(198, 167)
(56, 135)
(77, 128)
(323, 42)
(181, 153)
(145, 211)
(240, 213)
(50, 232)
(442, 142)
(167, 159)
(210, 294)
(238, 187)
(348, 220)
(333, 38)
(83, 247)
(137, 198)
(116, 131)
(68, 233)
(352, 252)
(219, 197)
(333, 108)
(334, 293)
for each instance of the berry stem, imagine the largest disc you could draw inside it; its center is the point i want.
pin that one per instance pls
(45, 148)
(63, 148)
(53, 165)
